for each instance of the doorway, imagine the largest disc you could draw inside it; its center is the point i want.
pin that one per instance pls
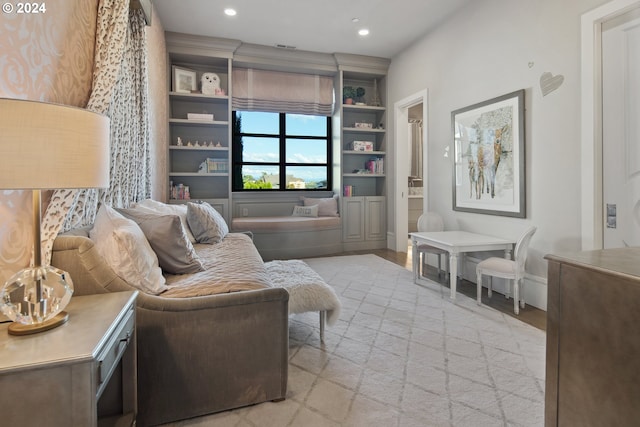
(415, 165)
(621, 130)
(402, 166)
(595, 214)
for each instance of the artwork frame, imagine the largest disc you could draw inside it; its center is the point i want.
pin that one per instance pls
(184, 80)
(489, 147)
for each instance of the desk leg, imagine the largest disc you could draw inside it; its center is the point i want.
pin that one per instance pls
(453, 273)
(414, 260)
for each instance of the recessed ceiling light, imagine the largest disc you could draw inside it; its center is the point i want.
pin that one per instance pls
(230, 12)
(354, 20)
(363, 32)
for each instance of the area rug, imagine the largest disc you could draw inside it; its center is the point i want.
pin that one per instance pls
(403, 354)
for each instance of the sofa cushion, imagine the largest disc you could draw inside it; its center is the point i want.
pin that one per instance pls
(159, 207)
(122, 244)
(168, 239)
(206, 223)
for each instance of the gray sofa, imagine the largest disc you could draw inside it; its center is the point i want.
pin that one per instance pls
(196, 354)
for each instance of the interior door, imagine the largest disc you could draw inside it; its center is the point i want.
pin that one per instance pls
(621, 130)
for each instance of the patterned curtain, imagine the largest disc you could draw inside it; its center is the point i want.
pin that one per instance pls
(119, 90)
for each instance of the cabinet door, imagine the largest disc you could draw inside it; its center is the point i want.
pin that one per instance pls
(375, 218)
(353, 219)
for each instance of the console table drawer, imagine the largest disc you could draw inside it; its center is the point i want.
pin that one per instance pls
(116, 345)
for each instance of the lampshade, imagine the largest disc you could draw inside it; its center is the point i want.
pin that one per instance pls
(47, 146)
(50, 146)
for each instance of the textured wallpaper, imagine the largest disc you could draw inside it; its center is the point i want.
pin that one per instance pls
(46, 57)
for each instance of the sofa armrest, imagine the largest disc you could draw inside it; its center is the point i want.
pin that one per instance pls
(158, 303)
(209, 354)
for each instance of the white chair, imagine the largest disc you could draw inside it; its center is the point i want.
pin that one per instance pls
(431, 221)
(507, 269)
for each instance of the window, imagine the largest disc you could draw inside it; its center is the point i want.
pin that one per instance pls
(281, 151)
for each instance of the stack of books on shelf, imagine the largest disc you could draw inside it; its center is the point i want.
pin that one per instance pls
(217, 166)
(347, 191)
(375, 166)
(179, 192)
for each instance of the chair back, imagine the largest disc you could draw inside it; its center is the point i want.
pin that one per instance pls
(520, 253)
(430, 221)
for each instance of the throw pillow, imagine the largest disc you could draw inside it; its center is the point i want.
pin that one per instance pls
(310, 211)
(206, 223)
(326, 206)
(159, 207)
(168, 239)
(123, 246)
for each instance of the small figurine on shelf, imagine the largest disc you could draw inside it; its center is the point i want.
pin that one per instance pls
(219, 92)
(179, 143)
(218, 144)
(210, 83)
(197, 144)
(189, 144)
(203, 167)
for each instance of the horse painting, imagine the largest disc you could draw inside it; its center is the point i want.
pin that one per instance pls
(483, 159)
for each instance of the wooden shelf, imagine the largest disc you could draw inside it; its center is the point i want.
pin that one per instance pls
(363, 130)
(199, 122)
(364, 108)
(365, 153)
(198, 97)
(185, 148)
(196, 174)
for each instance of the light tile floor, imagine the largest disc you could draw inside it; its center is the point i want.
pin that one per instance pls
(403, 355)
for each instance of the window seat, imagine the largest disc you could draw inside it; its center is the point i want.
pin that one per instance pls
(286, 237)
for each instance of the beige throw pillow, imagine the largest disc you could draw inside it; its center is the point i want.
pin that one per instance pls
(168, 239)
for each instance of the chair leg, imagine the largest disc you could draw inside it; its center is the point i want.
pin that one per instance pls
(479, 293)
(516, 297)
(490, 286)
(521, 288)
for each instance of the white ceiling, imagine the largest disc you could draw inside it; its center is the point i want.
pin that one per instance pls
(313, 25)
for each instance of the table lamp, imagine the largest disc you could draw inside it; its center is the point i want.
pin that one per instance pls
(46, 146)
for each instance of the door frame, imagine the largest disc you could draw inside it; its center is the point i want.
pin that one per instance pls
(591, 118)
(401, 209)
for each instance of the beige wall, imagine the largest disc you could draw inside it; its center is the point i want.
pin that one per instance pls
(488, 49)
(49, 57)
(45, 57)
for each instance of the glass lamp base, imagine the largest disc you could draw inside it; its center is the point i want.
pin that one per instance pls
(54, 322)
(34, 298)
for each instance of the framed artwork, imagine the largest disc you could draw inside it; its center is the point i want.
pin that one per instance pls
(489, 157)
(184, 80)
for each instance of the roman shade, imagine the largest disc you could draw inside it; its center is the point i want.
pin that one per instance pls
(275, 91)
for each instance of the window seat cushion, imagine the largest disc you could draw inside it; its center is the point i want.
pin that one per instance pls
(284, 223)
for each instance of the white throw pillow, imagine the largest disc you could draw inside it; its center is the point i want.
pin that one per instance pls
(163, 208)
(326, 206)
(310, 211)
(122, 244)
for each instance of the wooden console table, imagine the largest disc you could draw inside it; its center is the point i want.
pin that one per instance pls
(82, 373)
(593, 339)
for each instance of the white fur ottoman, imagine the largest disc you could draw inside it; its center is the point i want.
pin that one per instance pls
(307, 290)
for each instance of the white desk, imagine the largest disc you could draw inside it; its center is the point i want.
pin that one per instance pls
(456, 242)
